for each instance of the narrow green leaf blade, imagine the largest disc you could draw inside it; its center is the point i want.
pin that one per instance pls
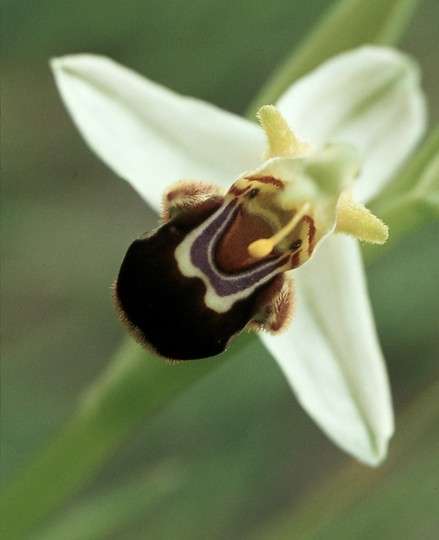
(133, 387)
(349, 24)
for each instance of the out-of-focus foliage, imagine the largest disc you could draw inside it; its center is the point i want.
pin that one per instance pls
(226, 457)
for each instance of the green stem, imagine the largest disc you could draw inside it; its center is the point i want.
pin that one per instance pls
(412, 198)
(134, 386)
(349, 24)
(116, 506)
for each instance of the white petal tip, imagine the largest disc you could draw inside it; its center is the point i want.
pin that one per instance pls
(376, 457)
(373, 451)
(59, 63)
(74, 62)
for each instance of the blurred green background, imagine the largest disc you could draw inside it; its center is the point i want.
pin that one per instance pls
(234, 456)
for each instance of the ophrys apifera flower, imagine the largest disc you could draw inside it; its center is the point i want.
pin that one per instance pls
(217, 264)
(363, 112)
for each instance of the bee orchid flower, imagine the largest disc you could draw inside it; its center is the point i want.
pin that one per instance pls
(252, 203)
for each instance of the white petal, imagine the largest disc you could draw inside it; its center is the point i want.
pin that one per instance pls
(370, 98)
(331, 356)
(149, 135)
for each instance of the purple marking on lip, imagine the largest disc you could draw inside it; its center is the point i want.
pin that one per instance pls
(204, 245)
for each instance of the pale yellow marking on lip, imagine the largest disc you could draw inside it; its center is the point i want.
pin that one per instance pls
(264, 246)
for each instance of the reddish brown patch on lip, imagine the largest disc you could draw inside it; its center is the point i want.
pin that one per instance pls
(267, 180)
(232, 250)
(295, 259)
(311, 233)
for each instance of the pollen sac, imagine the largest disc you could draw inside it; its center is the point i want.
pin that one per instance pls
(186, 289)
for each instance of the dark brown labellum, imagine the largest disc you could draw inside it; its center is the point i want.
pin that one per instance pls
(167, 311)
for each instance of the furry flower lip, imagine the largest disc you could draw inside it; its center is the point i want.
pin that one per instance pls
(217, 264)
